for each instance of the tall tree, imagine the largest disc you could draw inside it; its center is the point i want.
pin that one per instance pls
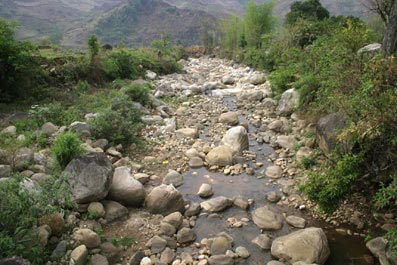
(258, 20)
(308, 10)
(390, 39)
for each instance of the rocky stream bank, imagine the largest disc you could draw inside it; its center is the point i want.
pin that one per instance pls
(219, 186)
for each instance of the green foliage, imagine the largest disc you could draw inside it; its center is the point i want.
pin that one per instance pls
(56, 113)
(20, 208)
(66, 147)
(308, 9)
(93, 46)
(81, 87)
(20, 71)
(386, 195)
(127, 241)
(138, 93)
(121, 123)
(331, 185)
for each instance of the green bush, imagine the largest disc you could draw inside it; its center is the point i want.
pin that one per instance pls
(81, 87)
(20, 209)
(121, 123)
(331, 185)
(138, 93)
(66, 147)
(56, 113)
(20, 71)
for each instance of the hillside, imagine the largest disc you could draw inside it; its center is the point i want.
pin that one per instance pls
(134, 22)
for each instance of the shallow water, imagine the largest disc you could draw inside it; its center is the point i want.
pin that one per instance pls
(345, 250)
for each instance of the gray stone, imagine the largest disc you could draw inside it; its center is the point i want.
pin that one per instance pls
(174, 219)
(79, 255)
(274, 172)
(220, 156)
(193, 209)
(196, 162)
(191, 153)
(286, 141)
(136, 258)
(173, 177)
(378, 247)
(142, 178)
(220, 245)
(242, 252)
(23, 158)
(220, 260)
(257, 79)
(5, 171)
(87, 237)
(237, 139)
(101, 143)
(275, 262)
(228, 80)
(185, 235)
(309, 245)
(273, 196)
(98, 259)
(80, 127)
(49, 129)
(370, 48)
(164, 200)
(10, 130)
(267, 219)
(303, 152)
(150, 75)
(167, 256)
(96, 209)
(60, 250)
(296, 221)
(205, 191)
(327, 130)
(188, 133)
(229, 118)
(263, 241)
(90, 177)
(125, 189)
(217, 204)
(40, 178)
(157, 244)
(114, 210)
(14, 261)
(288, 103)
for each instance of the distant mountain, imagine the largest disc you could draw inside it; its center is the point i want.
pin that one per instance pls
(135, 22)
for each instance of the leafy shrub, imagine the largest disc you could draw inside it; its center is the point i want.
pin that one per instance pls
(81, 87)
(331, 185)
(386, 195)
(121, 123)
(138, 93)
(55, 113)
(66, 147)
(19, 211)
(20, 71)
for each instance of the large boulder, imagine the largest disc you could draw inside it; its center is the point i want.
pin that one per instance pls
(237, 139)
(380, 248)
(229, 118)
(164, 199)
(89, 177)
(288, 103)
(220, 156)
(327, 129)
(173, 177)
(126, 189)
(308, 245)
(14, 261)
(257, 79)
(267, 219)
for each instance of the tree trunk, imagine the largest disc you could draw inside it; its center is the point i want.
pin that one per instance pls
(390, 39)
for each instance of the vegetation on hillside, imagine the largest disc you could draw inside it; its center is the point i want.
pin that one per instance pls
(317, 54)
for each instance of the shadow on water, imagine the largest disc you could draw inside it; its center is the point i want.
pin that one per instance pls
(345, 250)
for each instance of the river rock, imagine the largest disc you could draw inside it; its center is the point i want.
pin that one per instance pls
(267, 219)
(229, 118)
(220, 156)
(157, 244)
(192, 153)
(220, 245)
(96, 209)
(10, 130)
(48, 129)
(257, 79)
(98, 259)
(14, 261)
(296, 221)
(79, 255)
(228, 80)
(114, 210)
(303, 152)
(205, 191)
(193, 209)
(80, 127)
(286, 141)
(276, 126)
(242, 252)
(275, 262)
(167, 256)
(59, 251)
(185, 235)
(263, 241)
(89, 177)
(142, 177)
(173, 177)
(220, 260)
(309, 245)
(174, 219)
(23, 158)
(274, 172)
(216, 204)
(188, 133)
(378, 247)
(288, 103)
(196, 162)
(273, 196)
(87, 237)
(164, 200)
(237, 139)
(125, 189)
(327, 130)
(5, 171)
